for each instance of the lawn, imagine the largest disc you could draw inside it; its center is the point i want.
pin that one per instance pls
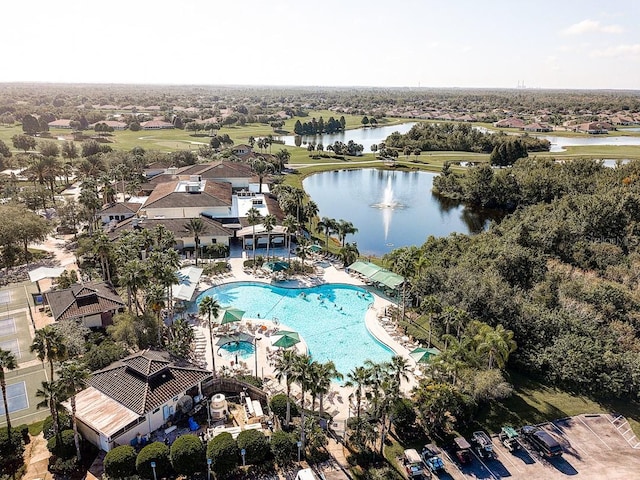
(534, 403)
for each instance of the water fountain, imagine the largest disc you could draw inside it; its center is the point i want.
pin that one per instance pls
(387, 205)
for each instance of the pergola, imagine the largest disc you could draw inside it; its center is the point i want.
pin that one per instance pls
(276, 236)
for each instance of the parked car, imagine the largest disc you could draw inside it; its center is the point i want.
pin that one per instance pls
(431, 458)
(541, 441)
(462, 450)
(482, 443)
(413, 464)
(509, 438)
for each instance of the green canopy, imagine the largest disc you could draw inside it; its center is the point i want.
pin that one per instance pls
(365, 268)
(287, 340)
(387, 278)
(423, 355)
(288, 333)
(231, 314)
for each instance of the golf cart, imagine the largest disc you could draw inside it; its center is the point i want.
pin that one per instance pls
(462, 450)
(431, 458)
(413, 464)
(483, 445)
(509, 438)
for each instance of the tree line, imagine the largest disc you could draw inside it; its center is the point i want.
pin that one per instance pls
(318, 127)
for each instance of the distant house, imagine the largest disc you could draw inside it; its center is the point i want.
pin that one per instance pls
(62, 123)
(594, 128)
(511, 122)
(537, 127)
(156, 125)
(93, 303)
(241, 149)
(111, 123)
(135, 396)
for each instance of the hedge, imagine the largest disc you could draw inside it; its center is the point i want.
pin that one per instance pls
(120, 462)
(154, 452)
(188, 455)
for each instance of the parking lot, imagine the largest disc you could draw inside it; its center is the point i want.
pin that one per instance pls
(595, 447)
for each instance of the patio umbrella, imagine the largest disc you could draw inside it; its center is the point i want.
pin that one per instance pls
(288, 333)
(287, 340)
(423, 355)
(231, 314)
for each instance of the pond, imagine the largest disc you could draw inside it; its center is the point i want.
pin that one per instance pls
(391, 209)
(558, 143)
(364, 136)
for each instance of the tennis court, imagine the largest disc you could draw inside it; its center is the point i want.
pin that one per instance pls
(16, 398)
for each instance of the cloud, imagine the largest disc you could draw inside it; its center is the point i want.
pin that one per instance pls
(591, 26)
(618, 51)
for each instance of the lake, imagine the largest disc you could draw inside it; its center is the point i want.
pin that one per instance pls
(363, 136)
(558, 143)
(391, 209)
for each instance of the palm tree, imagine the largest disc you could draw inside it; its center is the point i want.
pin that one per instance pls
(7, 362)
(196, 227)
(51, 395)
(133, 275)
(102, 246)
(301, 370)
(73, 379)
(284, 368)
(343, 229)
(497, 344)
(49, 344)
(253, 218)
(211, 308)
(324, 375)
(269, 223)
(358, 378)
(310, 211)
(261, 168)
(291, 225)
(328, 226)
(349, 253)
(155, 300)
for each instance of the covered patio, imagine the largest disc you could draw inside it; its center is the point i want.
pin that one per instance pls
(274, 238)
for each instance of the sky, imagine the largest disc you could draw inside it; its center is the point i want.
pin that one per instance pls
(568, 44)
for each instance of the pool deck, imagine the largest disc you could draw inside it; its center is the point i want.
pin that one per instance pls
(376, 322)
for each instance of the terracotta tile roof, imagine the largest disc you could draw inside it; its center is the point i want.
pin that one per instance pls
(146, 380)
(214, 194)
(81, 300)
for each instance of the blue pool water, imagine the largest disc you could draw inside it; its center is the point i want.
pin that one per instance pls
(330, 318)
(243, 350)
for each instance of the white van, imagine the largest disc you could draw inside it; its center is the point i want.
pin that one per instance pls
(306, 474)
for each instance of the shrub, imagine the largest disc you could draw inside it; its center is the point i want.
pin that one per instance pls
(278, 405)
(187, 455)
(120, 462)
(403, 414)
(223, 452)
(23, 430)
(63, 466)
(255, 444)
(284, 447)
(154, 452)
(47, 425)
(10, 453)
(65, 448)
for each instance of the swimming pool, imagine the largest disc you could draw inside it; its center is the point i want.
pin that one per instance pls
(240, 350)
(329, 317)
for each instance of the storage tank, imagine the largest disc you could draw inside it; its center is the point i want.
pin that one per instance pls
(219, 408)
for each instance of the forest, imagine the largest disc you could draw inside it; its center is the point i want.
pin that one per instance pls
(560, 272)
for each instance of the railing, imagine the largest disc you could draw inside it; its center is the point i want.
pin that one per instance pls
(231, 385)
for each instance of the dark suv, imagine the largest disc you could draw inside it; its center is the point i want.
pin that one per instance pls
(541, 441)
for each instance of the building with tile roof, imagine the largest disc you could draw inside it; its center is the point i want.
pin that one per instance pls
(135, 396)
(93, 303)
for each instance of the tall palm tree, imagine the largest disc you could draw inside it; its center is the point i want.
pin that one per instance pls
(291, 225)
(358, 378)
(349, 253)
(325, 374)
(102, 246)
(52, 395)
(49, 344)
(269, 223)
(343, 229)
(301, 370)
(73, 379)
(327, 226)
(310, 211)
(253, 218)
(7, 362)
(196, 227)
(211, 308)
(133, 275)
(155, 300)
(261, 168)
(284, 368)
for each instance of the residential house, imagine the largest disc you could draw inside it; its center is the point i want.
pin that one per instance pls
(594, 128)
(62, 123)
(511, 122)
(537, 127)
(93, 303)
(156, 125)
(136, 396)
(118, 211)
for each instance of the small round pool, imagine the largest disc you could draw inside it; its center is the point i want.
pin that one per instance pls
(329, 317)
(242, 350)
